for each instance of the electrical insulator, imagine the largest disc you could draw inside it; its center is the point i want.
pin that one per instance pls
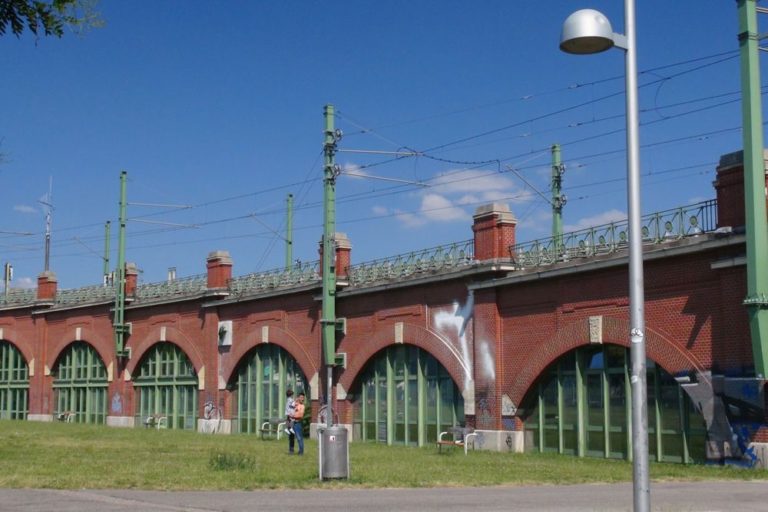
(338, 134)
(336, 170)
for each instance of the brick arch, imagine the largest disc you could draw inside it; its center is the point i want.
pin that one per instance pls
(658, 347)
(172, 335)
(277, 336)
(87, 335)
(425, 339)
(11, 336)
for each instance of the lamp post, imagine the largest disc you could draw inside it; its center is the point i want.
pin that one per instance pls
(584, 32)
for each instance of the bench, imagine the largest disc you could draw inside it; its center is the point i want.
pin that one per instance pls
(66, 416)
(460, 437)
(273, 426)
(156, 420)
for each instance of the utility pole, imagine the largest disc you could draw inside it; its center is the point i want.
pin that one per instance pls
(334, 446)
(121, 329)
(107, 228)
(558, 198)
(754, 184)
(7, 277)
(48, 203)
(328, 320)
(289, 233)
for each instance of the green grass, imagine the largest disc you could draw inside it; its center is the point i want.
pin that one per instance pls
(70, 456)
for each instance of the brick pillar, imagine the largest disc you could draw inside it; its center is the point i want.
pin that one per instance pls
(343, 255)
(494, 229)
(219, 266)
(729, 187)
(131, 279)
(488, 357)
(46, 286)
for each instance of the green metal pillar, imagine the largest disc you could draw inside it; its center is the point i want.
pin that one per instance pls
(754, 186)
(119, 322)
(328, 320)
(558, 199)
(107, 227)
(289, 233)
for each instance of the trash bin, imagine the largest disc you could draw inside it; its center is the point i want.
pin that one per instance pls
(334, 452)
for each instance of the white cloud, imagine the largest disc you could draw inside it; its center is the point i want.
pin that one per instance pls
(475, 180)
(25, 282)
(23, 208)
(439, 208)
(597, 220)
(380, 210)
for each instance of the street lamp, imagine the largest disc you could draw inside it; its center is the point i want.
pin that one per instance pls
(584, 32)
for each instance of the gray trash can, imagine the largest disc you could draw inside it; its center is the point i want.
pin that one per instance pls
(334, 452)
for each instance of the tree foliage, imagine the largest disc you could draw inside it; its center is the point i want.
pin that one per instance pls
(46, 17)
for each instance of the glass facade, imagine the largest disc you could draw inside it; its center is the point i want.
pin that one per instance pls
(263, 377)
(166, 387)
(14, 383)
(581, 405)
(80, 385)
(404, 396)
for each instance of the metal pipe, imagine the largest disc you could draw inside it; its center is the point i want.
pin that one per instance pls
(640, 481)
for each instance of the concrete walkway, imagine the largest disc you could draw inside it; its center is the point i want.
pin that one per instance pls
(700, 497)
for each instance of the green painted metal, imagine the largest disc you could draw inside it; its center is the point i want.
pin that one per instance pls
(179, 287)
(107, 235)
(14, 383)
(754, 185)
(678, 432)
(673, 224)
(415, 263)
(262, 379)
(80, 385)
(558, 199)
(289, 233)
(121, 330)
(166, 387)
(328, 320)
(299, 274)
(404, 396)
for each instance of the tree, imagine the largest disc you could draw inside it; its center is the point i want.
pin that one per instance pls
(46, 17)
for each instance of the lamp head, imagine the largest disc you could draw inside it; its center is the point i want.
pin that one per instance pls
(586, 31)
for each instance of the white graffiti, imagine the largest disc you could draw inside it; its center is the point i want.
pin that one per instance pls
(486, 361)
(453, 325)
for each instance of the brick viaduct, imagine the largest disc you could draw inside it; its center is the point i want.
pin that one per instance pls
(494, 325)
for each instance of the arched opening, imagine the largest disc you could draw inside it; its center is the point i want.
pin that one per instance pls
(80, 385)
(263, 376)
(14, 383)
(581, 405)
(166, 388)
(405, 396)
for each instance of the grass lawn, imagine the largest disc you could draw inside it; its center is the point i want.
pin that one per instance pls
(71, 456)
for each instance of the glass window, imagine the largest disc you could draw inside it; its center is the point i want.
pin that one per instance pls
(80, 385)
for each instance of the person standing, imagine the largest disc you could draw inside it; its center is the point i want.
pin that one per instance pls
(298, 426)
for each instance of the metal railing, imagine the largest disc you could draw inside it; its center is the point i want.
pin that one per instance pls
(18, 296)
(85, 295)
(417, 262)
(657, 227)
(181, 287)
(298, 274)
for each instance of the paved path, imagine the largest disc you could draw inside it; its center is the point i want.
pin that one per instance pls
(668, 497)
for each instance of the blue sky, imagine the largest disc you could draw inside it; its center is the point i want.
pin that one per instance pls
(218, 106)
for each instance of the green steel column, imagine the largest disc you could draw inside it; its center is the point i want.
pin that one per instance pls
(754, 185)
(119, 322)
(107, 227)
(289, 233)
(558, 199)
(328, 320)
